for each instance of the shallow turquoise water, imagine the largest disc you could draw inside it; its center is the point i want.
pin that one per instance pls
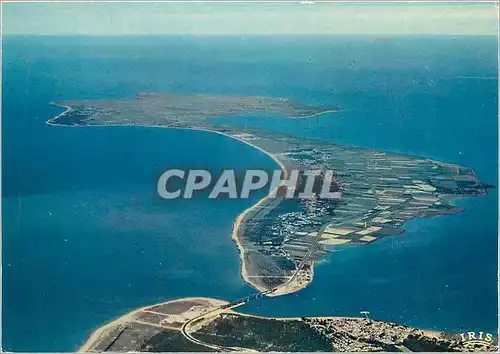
(85, 238)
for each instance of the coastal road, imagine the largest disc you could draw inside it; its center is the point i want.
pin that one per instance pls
(241, 302)
(212, 313)
(245, 300)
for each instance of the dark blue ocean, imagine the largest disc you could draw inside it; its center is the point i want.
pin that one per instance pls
(86, 239)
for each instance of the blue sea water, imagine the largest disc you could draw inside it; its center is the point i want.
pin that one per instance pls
(85, 238)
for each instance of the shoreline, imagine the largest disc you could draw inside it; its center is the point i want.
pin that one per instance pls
(318, 114)
(98, 332)
(94, 337)
(68, 109)
(240, 219)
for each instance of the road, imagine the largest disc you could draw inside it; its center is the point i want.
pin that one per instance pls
(222, 308)
(241, 302)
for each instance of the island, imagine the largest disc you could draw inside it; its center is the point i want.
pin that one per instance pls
(280, 239)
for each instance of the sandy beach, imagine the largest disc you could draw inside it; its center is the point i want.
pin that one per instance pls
(94, 337)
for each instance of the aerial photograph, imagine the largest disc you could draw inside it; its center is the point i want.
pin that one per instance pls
(291, 176)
